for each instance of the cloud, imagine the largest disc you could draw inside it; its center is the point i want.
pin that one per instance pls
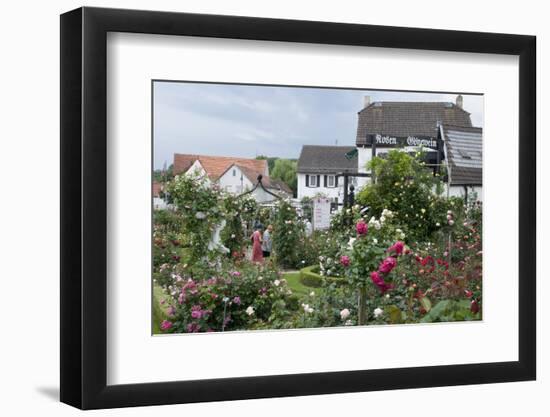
(245, 120)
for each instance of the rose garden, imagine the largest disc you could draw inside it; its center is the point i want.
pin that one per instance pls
(402, 253)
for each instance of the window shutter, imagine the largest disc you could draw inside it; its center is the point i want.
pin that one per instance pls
(318, 180)
(307, 180)
(325, 180)
(336, 181)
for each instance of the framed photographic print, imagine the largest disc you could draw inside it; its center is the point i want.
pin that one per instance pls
(258, 208)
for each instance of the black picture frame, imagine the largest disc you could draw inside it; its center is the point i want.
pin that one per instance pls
(84, 207)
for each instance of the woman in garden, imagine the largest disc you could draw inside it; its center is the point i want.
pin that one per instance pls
(257, 255)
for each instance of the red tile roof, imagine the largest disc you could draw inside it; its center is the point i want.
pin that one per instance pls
(157, 188)
(215, 166)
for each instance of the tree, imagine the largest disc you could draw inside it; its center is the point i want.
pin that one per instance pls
(285, 170)
(405, 186)
(270, 161)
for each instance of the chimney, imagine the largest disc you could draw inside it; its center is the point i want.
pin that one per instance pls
(459, 101)
(366, 101)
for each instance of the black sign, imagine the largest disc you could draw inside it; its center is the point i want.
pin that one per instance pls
(388, 141)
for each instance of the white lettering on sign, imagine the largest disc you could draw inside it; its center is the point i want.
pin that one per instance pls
(414, 141)
(386, 140)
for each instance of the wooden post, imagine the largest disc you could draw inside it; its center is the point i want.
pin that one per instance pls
(362, 307)
(345, 191)
(373, 149)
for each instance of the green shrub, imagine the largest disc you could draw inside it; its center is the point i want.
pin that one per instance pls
(405, 186)
(310, 277)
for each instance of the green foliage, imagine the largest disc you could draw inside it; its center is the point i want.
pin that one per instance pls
(307, 208)
(200, 207)
(270, 161)
(239, 212)
(451, 310)
(254, 297)
(285, 170)
(405, 186)
(163, 175)
(288, 235)
(310, 276)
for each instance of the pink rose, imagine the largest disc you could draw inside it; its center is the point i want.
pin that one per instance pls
(361, 228)
(193, 327)
(397, 248)
(171, 311)
(387, 265)
(165, 325)
(380, 283)
(344, 260)
(196, 312)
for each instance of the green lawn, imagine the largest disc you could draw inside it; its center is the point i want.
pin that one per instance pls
(158, 313)
(293, 280)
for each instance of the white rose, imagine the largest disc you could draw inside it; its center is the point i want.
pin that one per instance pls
(312, 294)
(378, 312)
(344, 314)
(250, 310)
(276, 282)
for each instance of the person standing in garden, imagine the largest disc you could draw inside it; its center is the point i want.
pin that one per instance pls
(267, 243)
(256, 238)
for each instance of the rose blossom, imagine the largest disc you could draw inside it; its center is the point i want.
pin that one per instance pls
(250, 310)
(387, 265)
(171, 311)
(165, 325)
(378, 312)
(237, 300)
(397, 247)
(193, 327)
(196, 312)
(361, 228)
(344, 314)
(344, 260)
(379, 282)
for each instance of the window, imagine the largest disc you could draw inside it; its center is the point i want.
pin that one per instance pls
(313, 180)
(330, 181)
(234, 172)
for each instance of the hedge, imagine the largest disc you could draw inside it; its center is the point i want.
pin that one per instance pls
(310, 278)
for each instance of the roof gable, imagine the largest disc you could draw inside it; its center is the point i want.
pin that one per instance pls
(215, 166)
(404, 119)
(464, 147)
(330, 159)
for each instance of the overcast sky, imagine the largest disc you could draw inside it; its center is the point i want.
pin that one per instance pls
(246, 121)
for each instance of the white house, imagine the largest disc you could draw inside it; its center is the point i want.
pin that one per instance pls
(318, 169)
(398, 125)
(234, 175)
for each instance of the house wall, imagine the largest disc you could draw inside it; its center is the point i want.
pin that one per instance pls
(197, 169)
(458, 191)
(331, 192)
(236, 184)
